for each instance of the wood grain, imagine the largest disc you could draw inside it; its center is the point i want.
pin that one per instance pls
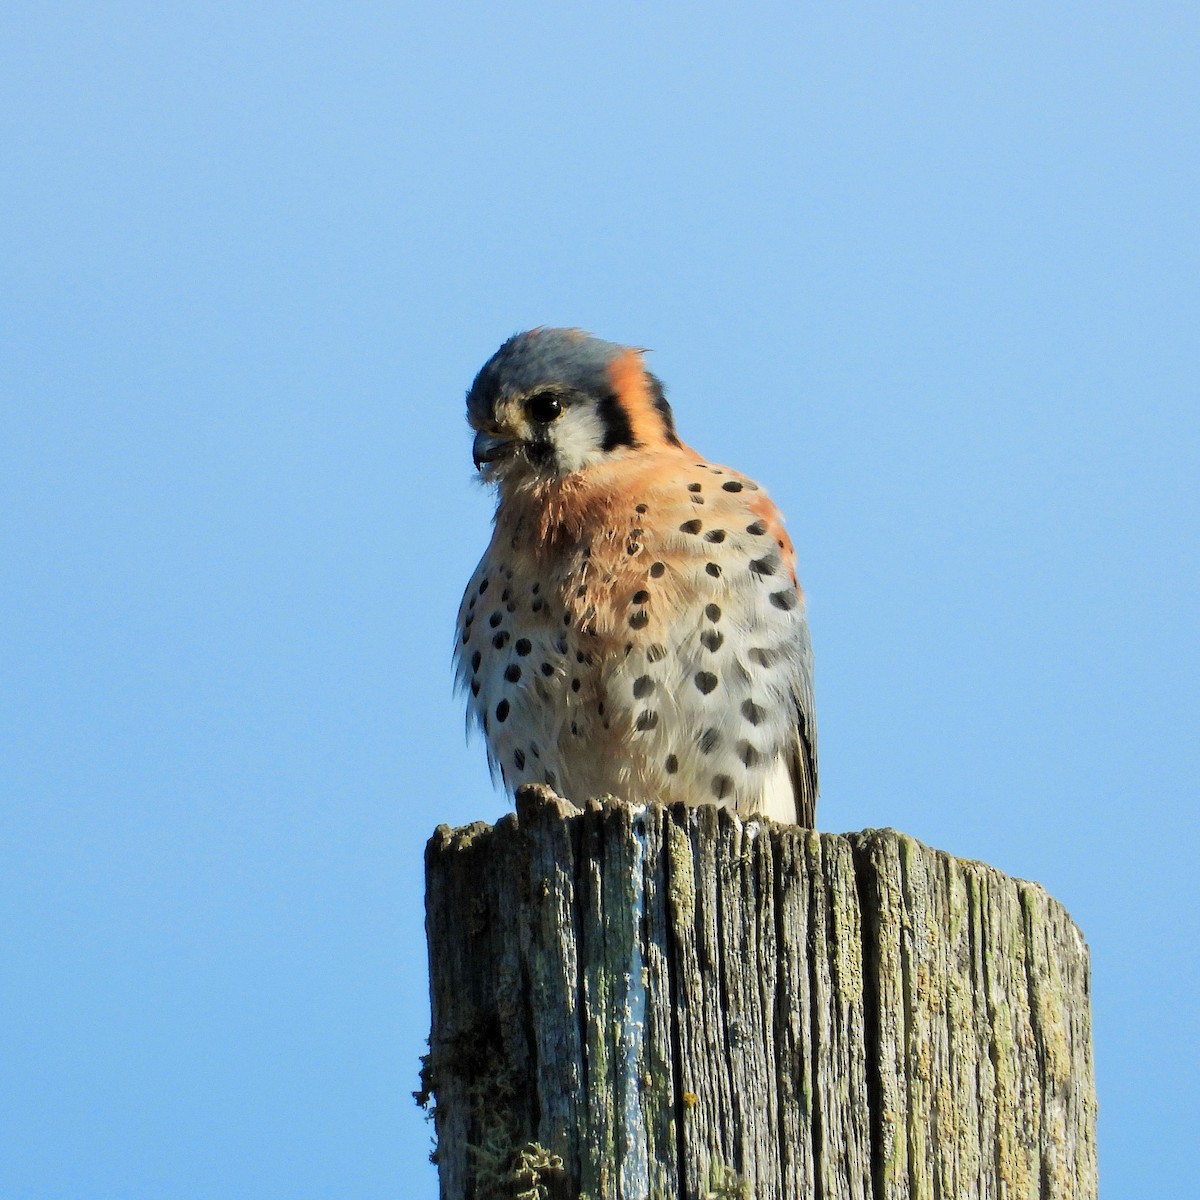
(673, 1002)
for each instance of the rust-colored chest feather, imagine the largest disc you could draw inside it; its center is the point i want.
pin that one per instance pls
(637, 629)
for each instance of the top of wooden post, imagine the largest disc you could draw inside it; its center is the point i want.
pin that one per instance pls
(654, 1001)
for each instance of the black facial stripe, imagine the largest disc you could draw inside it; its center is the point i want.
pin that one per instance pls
(617, 430)
(664, 409)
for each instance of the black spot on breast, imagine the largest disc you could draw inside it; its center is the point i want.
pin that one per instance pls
(640, 597)
(690, 527)
(747, 753)
(712, 640)
(709, 740)
(519, 759)
(715, 535)
(732, 486)
(672, 764)
(538, 605)
(647, 720)
(757, 528)
(706, 681)
(643, 685)
(657, 570)
(786, 600)
(505, 596)
(752, 712)
(495, 619)
(474, 687)
(483, 586)
(693, 487)
(640, 508)
(575, 684)
(639, 620)
(712, 612)
(547, 669)
(466, 634)
(764, 566)
(502, 710)
(501, 639)
(512, 673)
(713, 569)
(722, 785)
(655, 653)
(476, 659)
(523, 646)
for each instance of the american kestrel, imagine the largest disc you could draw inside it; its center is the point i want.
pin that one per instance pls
(635, 627)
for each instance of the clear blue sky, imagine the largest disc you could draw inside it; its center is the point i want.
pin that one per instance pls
(930, 273)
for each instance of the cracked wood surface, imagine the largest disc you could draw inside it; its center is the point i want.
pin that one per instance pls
(674, 1002)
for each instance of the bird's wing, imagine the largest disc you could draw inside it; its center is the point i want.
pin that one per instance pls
(802, 762)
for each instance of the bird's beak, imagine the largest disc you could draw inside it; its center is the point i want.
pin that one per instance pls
(488, 448)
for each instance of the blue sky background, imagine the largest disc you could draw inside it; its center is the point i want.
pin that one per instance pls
(929, 272)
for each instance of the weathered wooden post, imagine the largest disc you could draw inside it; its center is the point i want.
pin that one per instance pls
(648, 1002)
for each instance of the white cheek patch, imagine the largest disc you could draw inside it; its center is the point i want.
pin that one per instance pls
(578, 438)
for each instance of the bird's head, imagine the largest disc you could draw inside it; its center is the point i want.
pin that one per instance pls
(551, 402)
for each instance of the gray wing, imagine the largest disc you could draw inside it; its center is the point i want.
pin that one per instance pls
(802, 762)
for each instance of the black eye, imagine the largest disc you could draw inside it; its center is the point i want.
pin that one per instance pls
(543, 407)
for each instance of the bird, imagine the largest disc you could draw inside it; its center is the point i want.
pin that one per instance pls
(635, 628)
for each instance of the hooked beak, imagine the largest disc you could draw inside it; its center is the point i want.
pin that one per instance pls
(488, 448)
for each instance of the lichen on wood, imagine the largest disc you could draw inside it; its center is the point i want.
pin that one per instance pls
(675, 1002)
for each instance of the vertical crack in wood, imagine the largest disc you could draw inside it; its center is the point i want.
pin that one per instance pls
(1046, 1072)
(575, 840)
(674, 970)
(975, 975)
(990, 1007)
(722, 1012)
(865, 885)
(782, 1002)
(817, 944)
(908, 986)
(522, 850)
(632, 1038)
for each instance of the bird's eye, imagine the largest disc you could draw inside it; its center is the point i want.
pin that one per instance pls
(543, 408)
